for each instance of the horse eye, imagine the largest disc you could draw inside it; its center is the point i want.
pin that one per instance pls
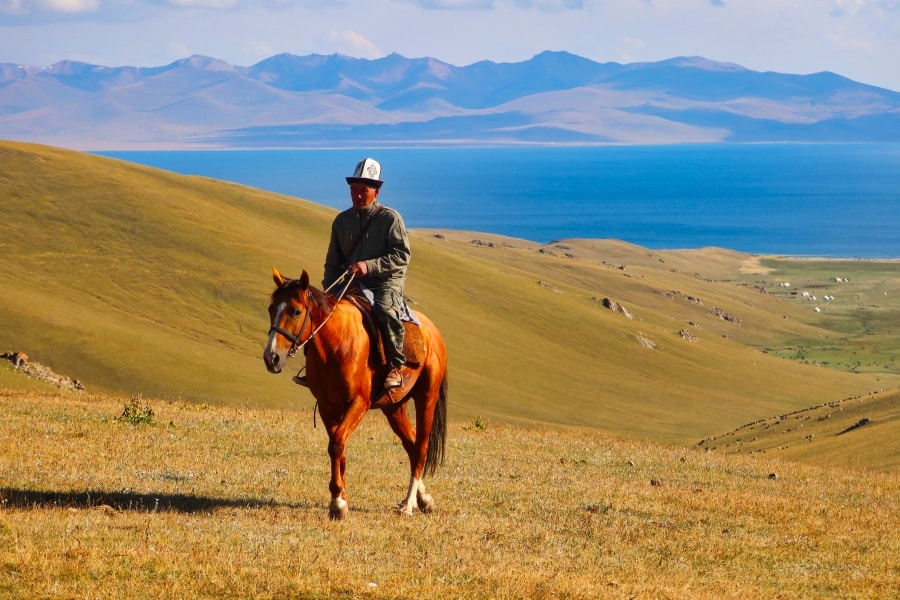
(296, 314)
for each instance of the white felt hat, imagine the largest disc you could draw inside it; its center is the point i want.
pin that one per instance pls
(368, 171)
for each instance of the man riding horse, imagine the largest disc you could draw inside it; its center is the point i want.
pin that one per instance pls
(369, 241)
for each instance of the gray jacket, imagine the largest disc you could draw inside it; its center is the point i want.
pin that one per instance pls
(384, 247)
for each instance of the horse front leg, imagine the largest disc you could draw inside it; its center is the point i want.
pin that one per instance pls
(337, 443)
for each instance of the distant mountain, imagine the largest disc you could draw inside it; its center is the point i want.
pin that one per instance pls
(317, 101)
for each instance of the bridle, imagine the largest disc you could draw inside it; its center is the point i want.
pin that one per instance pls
(296, 339)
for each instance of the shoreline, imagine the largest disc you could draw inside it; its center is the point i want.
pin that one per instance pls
(431, 231)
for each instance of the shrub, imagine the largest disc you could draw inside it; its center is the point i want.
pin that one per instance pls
(137, 411)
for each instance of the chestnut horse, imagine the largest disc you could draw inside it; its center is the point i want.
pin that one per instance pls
(347, 379)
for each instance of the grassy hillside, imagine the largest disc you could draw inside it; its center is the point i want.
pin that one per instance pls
(139, 281)
(143, 281)
(848, 433)
(231, 502)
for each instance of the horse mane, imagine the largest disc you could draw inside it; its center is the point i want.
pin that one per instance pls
(321, 304)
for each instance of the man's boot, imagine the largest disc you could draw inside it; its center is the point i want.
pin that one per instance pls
(394, 379)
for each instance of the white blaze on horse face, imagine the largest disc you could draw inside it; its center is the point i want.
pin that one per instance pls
(270, 347)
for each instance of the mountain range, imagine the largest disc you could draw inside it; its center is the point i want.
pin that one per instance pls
(290, 101)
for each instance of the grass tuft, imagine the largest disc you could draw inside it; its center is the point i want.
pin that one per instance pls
(137, 412)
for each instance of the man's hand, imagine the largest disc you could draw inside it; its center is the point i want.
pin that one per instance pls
(359, 269)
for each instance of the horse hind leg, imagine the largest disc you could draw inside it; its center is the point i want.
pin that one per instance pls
(424, 444)
(416, 496)
(423, 498)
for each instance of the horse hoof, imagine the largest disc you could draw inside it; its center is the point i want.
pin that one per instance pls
(338, 509)
(426, 503)
(405, 510)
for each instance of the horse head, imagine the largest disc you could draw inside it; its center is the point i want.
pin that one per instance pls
(289, 319)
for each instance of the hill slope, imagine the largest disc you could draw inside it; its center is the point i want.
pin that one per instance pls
(823, 434)
(139, 281)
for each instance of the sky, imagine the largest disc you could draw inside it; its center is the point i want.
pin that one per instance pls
(859, 39)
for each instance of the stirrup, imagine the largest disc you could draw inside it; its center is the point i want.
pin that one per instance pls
(300, 379)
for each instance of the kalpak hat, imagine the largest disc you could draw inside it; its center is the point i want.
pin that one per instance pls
(368, 172)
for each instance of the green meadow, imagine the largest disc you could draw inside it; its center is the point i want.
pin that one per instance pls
(625, 422)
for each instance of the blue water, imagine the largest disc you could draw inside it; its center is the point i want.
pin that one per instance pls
(829, 200)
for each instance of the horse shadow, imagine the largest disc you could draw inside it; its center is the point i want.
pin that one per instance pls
(133, 502)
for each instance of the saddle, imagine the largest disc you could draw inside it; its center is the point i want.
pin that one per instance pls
(413, 342)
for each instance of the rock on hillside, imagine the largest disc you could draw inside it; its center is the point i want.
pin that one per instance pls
(38, 371)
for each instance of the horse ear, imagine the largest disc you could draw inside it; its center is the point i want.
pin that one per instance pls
(280, 280)
(304, 279)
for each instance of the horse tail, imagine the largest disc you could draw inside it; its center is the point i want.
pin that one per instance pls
(438, 435)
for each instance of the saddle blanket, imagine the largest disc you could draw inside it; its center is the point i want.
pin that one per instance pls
(405, 313)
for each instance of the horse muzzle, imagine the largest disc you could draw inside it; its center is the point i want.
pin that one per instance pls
(274, 361)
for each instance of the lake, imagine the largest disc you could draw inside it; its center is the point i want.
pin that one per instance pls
(825, 200)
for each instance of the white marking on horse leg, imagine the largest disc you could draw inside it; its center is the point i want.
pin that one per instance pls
(338, 509)
(424, 499)
(409, 504)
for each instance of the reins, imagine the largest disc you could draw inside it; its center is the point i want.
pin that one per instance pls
(296, 344)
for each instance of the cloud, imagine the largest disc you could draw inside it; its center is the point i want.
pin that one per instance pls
(25, 7)
(178, 49)
(214, 4)
(72, 6)
(630, 48)
(50, 8)
(551, 5)
(852, 8)
(355, 43)
(245, 4)
(849, 43)
(259, 49)
(847, 7)
(450, 4)
(542, 5)
(61, 8)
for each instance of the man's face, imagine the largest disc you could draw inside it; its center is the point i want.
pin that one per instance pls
(362, 195)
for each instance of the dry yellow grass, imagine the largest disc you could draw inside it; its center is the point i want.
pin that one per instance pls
(231, 502)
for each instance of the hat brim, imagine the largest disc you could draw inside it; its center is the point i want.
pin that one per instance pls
(375, 183)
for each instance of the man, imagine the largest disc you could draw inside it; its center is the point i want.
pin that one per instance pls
(370, 241)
